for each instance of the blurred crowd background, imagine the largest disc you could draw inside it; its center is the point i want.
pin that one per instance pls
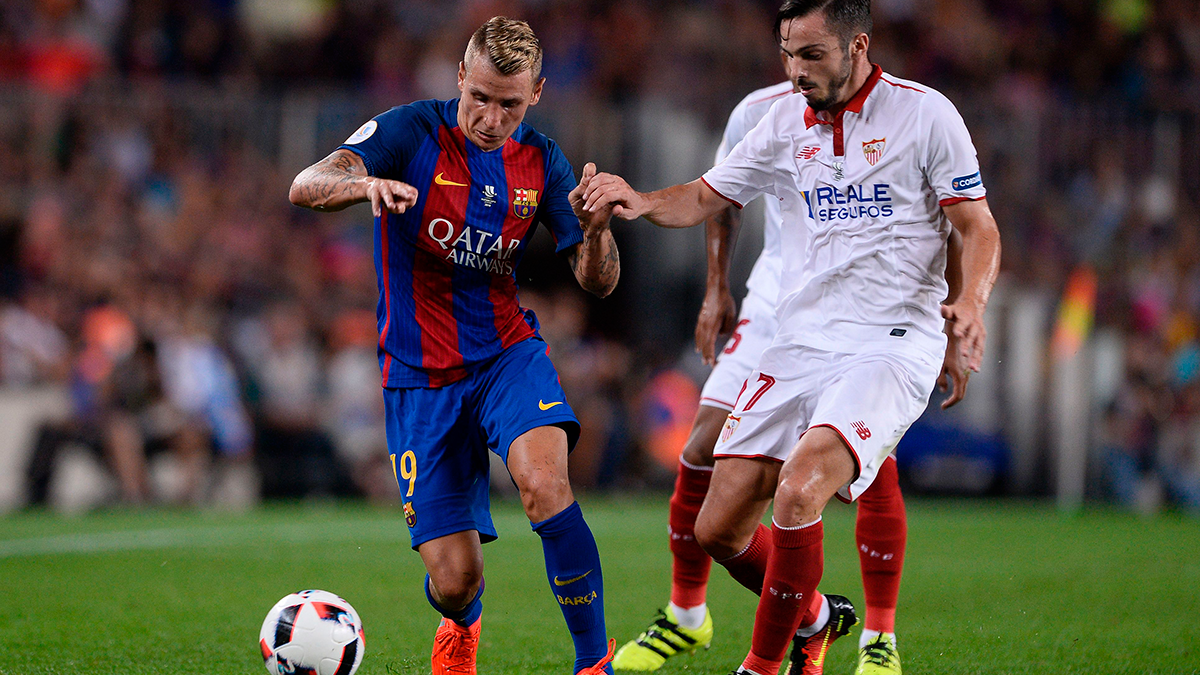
(169, 320)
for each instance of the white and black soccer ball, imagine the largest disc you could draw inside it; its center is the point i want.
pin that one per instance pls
(312, 633)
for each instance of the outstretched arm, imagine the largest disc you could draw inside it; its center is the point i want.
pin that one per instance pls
(341, 180)
(980, 265)
(595, 261)
(718, 314)
(677, 206)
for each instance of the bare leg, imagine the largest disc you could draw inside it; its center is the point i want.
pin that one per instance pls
(127, 454)
(706, 428)
(739, 495)
(817, 466)
(455, 566)
(537, 461)
(191, 447)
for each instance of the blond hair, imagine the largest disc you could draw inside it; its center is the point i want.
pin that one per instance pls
(509, 44)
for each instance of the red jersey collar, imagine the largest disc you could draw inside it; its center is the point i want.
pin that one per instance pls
(854, 105)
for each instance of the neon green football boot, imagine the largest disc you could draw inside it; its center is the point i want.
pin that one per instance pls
(879, 657)
(663, 639)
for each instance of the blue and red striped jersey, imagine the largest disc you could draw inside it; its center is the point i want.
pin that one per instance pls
(446, 267)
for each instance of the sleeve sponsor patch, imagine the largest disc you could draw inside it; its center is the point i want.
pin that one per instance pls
(364, 132)
(963, 183)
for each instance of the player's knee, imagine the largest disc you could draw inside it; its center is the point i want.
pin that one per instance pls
(798, 496)
(455, 589)
(698, 454)
(545, 494)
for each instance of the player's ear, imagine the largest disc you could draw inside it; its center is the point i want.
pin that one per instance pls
(861, 42)
(462, 75)
(537, 91)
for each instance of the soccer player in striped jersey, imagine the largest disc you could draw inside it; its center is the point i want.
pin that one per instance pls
(457, 188)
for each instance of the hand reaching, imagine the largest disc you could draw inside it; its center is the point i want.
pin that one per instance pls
(954, 373)
(605, 190)
(593, 222)
(718, 316)
(392, 195)
(966, 327)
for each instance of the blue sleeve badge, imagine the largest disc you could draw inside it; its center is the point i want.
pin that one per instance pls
(963, 183)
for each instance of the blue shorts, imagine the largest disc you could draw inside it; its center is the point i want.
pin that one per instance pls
(439, 438)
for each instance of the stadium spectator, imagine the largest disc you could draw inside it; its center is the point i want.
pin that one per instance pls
(295, 455)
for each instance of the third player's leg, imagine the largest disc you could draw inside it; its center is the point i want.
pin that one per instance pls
(698, 451)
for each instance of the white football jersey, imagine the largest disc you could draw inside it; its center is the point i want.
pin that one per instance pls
(864, 237)
(764, 276)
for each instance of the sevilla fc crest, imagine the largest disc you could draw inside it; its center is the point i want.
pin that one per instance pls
(524, 202)
(873, 150)
(731, 425)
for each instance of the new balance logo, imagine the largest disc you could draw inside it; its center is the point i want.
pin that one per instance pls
(861, 429)
(808, 152)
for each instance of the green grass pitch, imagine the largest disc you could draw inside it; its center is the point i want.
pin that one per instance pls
(988, 588)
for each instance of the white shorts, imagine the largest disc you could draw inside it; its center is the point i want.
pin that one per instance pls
(755, 330)
(870, 400)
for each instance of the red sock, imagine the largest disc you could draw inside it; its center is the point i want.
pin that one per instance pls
(749, 567)
(793, 572)
(814, 610)
(690, 564)
(881, 532)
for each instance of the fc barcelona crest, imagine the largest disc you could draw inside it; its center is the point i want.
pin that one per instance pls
(410, 514)
(873, 150)
(524, 202)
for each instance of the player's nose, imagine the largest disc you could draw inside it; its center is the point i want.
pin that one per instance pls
(492, 116)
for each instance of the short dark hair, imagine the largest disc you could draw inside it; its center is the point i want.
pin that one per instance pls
(846, 18)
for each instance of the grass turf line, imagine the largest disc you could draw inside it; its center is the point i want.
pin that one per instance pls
(988, 588)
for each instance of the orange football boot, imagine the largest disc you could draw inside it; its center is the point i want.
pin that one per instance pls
(598, 669)
(454, 648)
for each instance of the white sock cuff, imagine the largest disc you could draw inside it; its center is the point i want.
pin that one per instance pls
(694, 467)
(797, 527)
(738, 554)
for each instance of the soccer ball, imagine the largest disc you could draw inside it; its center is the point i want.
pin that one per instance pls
(312, 633)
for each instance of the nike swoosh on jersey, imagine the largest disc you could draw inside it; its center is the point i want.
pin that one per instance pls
(547, 406)
(442, 181)
(572, 580)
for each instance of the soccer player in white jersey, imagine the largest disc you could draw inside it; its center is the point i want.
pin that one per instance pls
(685, 624)
(871, 173)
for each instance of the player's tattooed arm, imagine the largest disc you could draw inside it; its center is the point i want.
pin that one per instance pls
(596, 264)
(718, 313)
(341, 180)
(595, 261)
